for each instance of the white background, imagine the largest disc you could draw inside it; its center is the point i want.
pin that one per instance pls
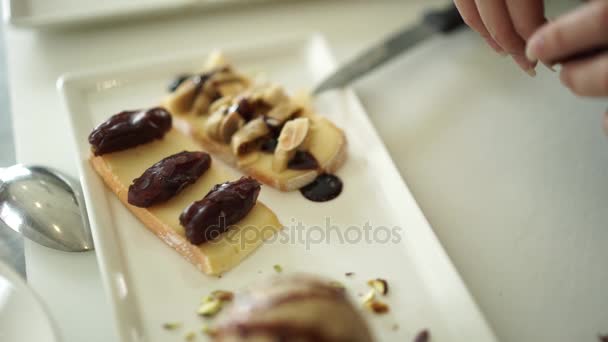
(509, 170)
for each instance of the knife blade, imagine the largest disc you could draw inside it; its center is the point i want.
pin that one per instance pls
(443, 20)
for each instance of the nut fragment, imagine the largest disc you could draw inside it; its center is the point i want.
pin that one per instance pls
(377, 307)
(278, 268)
(248, 135)
(273, 95)
(422, 336)
(337, 285)
(369, 297)
(293, 134)
(213, 123)
(231, 123)
(183, 97)
(190, 336)
(281, 113)
(209, 331)
(379, 284)
(210, 308)
(224, 296)
(223, 101)
(201, 104)
(172, 325)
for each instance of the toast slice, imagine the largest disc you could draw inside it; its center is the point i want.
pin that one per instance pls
(195, 106)
(118, 169)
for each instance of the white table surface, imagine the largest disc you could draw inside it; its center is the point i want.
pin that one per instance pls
(509, 170)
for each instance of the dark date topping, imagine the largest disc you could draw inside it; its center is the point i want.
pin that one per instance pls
(167, 178)
(303, 160)
(269, 145)
(224, 205)
(324, 188)
(128, 129)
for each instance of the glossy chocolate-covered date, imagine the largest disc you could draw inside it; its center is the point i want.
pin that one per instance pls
(224, 205)
(128, 129)
(167, 178)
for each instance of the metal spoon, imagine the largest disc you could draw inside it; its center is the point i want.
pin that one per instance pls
(44, 206)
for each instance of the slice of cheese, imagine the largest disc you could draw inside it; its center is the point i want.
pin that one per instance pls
(118, 170)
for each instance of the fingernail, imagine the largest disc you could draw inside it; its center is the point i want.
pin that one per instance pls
(532, 47)
(531, 72)
(495, 46)
(549, 66)
(525, 65)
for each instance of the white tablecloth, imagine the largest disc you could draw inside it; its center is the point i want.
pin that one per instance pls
(509, 170)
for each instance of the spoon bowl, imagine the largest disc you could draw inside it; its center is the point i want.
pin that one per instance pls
(45, 206)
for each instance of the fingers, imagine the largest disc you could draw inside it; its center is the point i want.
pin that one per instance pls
(510, 22)
(527, 16)
(587, 77)
(470, 15)
(577, 31)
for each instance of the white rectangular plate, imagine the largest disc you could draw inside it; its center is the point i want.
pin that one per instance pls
(56, 13)
(150, 284)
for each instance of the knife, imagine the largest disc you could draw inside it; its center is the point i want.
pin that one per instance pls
(443, 20)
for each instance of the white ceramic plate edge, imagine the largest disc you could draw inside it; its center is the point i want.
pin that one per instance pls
(438, 271)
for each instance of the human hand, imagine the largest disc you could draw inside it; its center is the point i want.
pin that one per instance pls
(506, 25)
(576, 34)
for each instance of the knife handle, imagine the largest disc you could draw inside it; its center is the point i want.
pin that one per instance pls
(444, 20)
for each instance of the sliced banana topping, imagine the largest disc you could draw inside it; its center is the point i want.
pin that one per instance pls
(293, 134)
(184, 96)
(248, 135)
(273, 95)
(213, 123)
(231, 123)
(281, 113)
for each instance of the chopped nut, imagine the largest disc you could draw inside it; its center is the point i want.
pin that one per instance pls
(292, 135)
(278, 268)
(273, 95)
(172, 325)
(378, 307)
(183, 98)
(213, 123)
(349, 274)
(380, 285)
(337, 284)
(369, 297)
(190, 336)
(231, 123)
(224, 296)
(422, 336)
(281, 113)
(206, 299)
(207, 330)
(248, 135)
(201, 104)
(210, 308)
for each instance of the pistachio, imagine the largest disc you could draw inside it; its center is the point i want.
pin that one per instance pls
(172, 325)
(207, 330)
(379, 284)
(210, 308)
(378, 307)
(248, 135)
(231, 123)
(337, 285)
(278, 268)
(292, 135)
(190, 336)
(369, 297)
(224, 296)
